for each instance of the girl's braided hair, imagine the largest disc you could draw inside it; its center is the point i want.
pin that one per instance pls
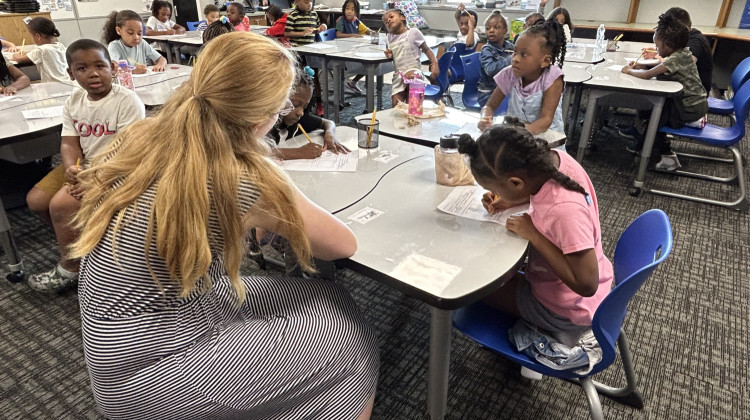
(508, 147)
(673, 33)
(554, 37)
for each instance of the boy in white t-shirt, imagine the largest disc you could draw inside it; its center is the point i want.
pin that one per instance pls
(92, 116)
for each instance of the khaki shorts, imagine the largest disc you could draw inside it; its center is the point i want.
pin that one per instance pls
(53, 181)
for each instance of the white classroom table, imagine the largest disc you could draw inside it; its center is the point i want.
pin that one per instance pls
(574, 75)
(608, 80)
(25, 140)
(583, 52)
(480, 256)
(173, 42)
(335, 191)
(429, 130)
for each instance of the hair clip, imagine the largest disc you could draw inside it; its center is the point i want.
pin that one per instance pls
(310, 72)
(224, 20)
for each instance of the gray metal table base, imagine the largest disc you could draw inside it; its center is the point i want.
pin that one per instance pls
(648, 143)
(440, 352)
(15, 265)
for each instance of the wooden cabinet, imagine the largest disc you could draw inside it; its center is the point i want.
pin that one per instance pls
(13, 28)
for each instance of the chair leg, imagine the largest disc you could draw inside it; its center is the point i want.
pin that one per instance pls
(593, 398)
(740, 204)
(628, 394)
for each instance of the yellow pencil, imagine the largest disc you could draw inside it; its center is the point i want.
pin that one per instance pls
(372, 127)
(78, 162)
(23, 44)
(304, 132)
(133, 60)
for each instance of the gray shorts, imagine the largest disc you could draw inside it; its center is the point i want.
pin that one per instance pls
(533, 312)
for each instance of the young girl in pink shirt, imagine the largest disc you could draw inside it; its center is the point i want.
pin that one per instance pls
(567, 275)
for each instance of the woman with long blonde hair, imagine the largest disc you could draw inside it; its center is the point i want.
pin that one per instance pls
(170, 328)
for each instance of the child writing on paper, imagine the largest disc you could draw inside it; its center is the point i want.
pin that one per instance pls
(236, 15)
(49, 56)
(405, 47)
(690, 108)
(11, 79)
(159, 23)
(92, 116)
(349, 26)
(296, 113)
(123, 37)
(567, 275)
(211, 12)
(495, 55)
(533, 82)
(467, 24)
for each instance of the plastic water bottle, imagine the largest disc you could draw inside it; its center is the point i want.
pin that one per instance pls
(125, 74)
(600, 37)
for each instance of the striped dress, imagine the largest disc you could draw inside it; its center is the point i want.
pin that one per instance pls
(296, 348)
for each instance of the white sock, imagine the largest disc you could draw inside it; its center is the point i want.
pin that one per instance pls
(65, 273)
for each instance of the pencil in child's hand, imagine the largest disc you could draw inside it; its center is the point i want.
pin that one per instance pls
(304, 132)
(78, 162)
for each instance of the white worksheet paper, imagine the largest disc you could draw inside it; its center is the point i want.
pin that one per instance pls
(50, 112)
(320, 46)
(428, 274)
(328, 162)
(466, 201)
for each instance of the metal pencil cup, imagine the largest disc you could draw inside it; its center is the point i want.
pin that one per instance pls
(367, 133)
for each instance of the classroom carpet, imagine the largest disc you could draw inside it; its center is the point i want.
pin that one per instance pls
(687, 326)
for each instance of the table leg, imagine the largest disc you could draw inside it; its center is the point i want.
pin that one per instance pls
(15, 265)
(566, 99)
(337, 89)
(648, 141)
(370, 74)
(379, 92)
(176, 51)
(576, 108)
(440, 351)
(323, 77)
(588, 122)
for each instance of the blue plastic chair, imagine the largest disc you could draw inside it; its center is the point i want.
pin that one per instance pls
(721, 137)
(456, 67)
(326, 35)
(472, 72)
(436, 92)
(740, 75)
(193, 26)
(644, 245)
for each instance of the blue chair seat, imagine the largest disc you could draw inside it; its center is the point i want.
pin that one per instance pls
(192, 26)
(436, 92)
(720, 106)
(644, 245)
(710, 134)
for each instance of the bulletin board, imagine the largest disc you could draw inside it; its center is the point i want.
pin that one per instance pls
(102, 8)
(59, 9)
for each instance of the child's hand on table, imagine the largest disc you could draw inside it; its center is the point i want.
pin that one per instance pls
(484, 123)
(19, 55)
(140, 69)
(648, 53)
(310, 151)
(159, 67)
(522, 226)
(388, 53)
(493, 204)
(330, 143)
(8, 90)
(308, 31)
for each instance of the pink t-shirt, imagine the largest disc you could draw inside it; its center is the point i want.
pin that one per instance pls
(569, 220)
(244, 26)
(506, 81)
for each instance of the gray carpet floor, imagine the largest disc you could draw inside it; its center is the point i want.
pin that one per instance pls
(687, 326)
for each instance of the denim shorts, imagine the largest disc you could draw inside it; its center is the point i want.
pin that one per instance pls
(533, 312)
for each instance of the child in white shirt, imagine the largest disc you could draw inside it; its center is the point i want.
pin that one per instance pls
(467, 27)
(160, 23)
(92, 117)
(49, 55)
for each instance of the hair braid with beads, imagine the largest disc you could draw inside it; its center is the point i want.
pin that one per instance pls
(554, 37)
(509, 147)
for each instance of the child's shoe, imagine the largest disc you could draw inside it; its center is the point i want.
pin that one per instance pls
(630, 132)
(699, 123)
(531, 374)
(669, 163)
(54, 281)
(353, 86)
(319, 109)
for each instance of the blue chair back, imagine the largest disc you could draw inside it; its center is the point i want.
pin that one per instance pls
(443, 63)
(326, 35)
(741, 107)
(471, 71)
(193, 26)
(741, 74)
(456, 66)
(643, 246)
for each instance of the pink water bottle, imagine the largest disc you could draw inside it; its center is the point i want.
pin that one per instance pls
(416, 92)
(125, 74)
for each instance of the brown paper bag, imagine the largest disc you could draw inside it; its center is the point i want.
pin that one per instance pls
(451, 170)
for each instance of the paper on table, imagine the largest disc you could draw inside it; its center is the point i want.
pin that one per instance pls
(4, 98)
(369, 54)
(328, 162)
(615, 67)
(426, 273)
(147, 73)
(320, 46)
(466, 202)
(50, 112)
